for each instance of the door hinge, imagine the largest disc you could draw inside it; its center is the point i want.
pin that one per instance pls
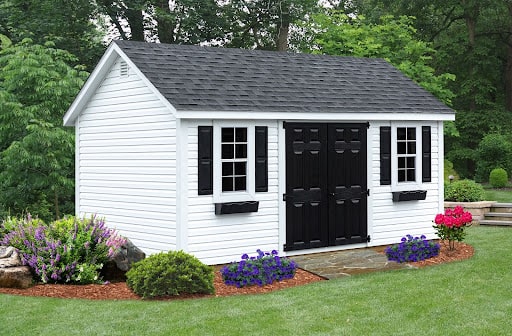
(284, 197)
(284, 124)
(367, 124)
(368, 239)
(367, 192)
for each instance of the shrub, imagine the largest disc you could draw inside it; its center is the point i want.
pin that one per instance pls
(498, 178)
(495, 150)
(412, 249)
(171, 273)
(464, 191)
(71, 250)
(449, 170)
(263, 269)
(450, 225)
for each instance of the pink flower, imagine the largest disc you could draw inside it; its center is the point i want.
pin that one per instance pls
(458, 211)
(439, 219)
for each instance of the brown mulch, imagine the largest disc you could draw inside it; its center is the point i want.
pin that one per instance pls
(119, 290)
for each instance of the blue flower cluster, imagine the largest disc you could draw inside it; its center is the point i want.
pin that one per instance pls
(412, 249)
(263, 269)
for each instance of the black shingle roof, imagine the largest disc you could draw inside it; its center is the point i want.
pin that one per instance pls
(195, 78)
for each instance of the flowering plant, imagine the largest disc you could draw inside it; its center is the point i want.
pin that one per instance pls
(260, 270)
(450, 225)
(412, 249)
(69, 250)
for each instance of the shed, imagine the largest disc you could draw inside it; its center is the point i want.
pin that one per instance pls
(219, 152)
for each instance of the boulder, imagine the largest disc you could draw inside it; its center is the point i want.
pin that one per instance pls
(122, 261)
(12, 273)
(9, 257)
(15, 277)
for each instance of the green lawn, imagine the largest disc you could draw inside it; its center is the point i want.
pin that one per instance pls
(472, 297)
(500, 195)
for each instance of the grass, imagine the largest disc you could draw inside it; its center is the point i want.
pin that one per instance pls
(499, 195)
(471, 297)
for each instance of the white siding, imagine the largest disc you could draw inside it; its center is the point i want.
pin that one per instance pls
(126, 152)
(389, 221)
(216, 239)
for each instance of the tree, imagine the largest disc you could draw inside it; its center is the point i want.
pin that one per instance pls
(37, 85)
(68, 24)
(393, 39)
(265, 24)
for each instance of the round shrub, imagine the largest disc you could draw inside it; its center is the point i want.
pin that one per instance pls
(171, 273)
(495, 150)
(498, 178)
(464, 191)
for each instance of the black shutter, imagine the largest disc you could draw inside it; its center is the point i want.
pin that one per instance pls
(385, 155)
(205, 160)
(426, 155)
(261, 165)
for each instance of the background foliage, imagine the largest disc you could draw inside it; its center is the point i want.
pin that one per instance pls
(458, 50)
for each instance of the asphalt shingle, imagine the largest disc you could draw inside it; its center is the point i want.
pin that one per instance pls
(195, 78)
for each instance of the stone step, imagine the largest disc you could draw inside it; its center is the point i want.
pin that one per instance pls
(496, 222)
(502, 207)
(501, 216)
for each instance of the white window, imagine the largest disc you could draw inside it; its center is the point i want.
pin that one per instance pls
(234, 164)
(406, 159)
(406, 154)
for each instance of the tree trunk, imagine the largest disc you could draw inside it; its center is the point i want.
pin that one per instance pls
(282, 34)
(136, 22)
(508, 67)
(471, 12)
(165, 27)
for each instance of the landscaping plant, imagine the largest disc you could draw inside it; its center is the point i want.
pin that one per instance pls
(66, 251)
(171, 273)
(412, 249)
(260, 270)
(498, 178)
(464, 191)
(451, 225)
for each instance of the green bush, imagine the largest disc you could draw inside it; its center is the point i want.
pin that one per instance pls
(495, 150)
(464, 191)
(171, 273)
(449, 170)
(498, 178)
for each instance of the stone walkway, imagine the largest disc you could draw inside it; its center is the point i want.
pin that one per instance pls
(338, 264)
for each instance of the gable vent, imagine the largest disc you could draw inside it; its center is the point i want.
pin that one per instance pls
(123, 69)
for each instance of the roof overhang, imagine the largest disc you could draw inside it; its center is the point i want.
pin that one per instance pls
(96, 78)
(345, 116)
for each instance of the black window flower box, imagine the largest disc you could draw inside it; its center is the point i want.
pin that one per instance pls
(236, 207)
(409, 195)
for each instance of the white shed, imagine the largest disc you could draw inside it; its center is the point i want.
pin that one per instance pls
(219, 152)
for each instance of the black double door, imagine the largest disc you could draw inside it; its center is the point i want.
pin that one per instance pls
(326, 189)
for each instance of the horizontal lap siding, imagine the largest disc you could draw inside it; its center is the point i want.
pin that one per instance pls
(390, 221)
(127, 157)
(217, 239)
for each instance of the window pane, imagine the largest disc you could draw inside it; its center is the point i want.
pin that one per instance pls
(401, 175)
(400, 133)
(227, 184)
(410, 175)
(227, 169)
(241, 151)
(401, 148)
(228, 151)
(241, 135)
(401, 162)
(240, 168)
(411, 147)
(240, 183)
(410, 162)
(228, 135)
(411, 133)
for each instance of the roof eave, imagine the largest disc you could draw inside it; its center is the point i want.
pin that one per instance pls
(321, 116)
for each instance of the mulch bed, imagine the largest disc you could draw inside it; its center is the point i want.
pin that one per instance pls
(120, 291)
